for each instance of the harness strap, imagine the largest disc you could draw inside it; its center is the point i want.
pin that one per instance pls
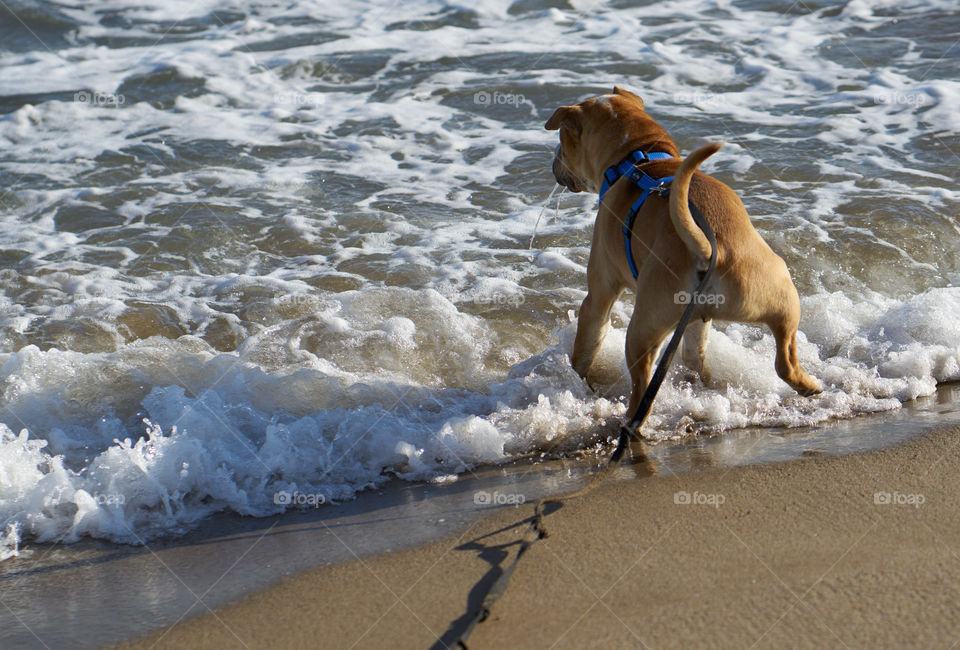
(647, 183)
(626, 166)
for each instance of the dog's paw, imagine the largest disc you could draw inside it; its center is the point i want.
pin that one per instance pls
(691, 376)
(809, 387)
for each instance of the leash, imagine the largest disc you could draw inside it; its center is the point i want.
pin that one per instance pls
(543, 209)
(537, 530)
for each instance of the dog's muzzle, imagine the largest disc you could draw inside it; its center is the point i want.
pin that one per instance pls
(562, 173)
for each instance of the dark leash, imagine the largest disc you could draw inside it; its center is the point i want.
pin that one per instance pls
(537, 530)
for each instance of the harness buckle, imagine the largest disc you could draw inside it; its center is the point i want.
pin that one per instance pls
(662, 188)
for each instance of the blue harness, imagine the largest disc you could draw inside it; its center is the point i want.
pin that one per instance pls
(645, 182)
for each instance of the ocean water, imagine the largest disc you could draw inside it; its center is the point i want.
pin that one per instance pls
(265, 255)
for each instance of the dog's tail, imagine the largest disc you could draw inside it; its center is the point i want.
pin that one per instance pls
(689, 232)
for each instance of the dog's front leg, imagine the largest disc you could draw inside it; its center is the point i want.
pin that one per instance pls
(594, 318)
(592, 325)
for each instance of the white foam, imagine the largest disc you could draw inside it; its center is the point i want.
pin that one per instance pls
(240, 435)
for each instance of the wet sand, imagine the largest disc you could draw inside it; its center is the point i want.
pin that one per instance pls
(861, 550)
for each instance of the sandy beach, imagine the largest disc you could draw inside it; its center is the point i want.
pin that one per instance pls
(853, 551)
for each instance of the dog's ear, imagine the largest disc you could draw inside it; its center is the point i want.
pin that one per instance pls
(568, 116)
(617, 90)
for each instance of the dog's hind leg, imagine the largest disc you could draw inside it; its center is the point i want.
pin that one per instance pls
(655, 315)
(694, 348)
(784, 325)
(788, 366)
(643, 342)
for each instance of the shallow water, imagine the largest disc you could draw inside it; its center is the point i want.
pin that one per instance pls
(282, 248)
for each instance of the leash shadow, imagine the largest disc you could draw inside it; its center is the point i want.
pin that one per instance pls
(494, 555)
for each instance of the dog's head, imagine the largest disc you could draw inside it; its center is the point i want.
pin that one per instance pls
(589, 130)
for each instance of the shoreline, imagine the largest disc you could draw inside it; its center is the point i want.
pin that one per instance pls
(804, 552)
(228, 556)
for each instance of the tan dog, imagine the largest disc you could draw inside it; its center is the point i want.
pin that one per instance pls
(751, 283)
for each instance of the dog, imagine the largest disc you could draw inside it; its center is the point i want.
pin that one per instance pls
(669, 251)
